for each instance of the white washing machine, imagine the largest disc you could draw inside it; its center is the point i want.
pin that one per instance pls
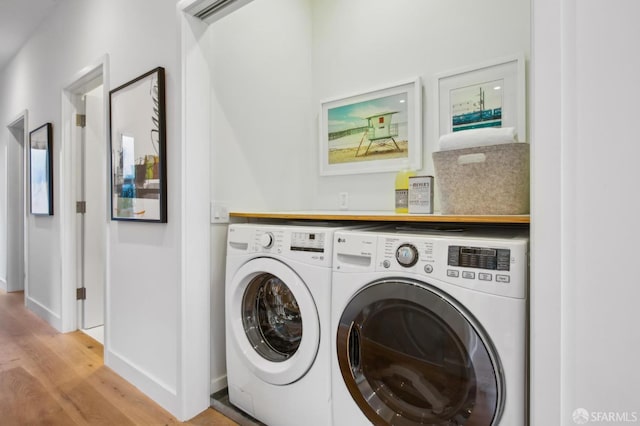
(277, 301)
(430, 327)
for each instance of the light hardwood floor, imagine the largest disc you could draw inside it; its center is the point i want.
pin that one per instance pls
(50, 378)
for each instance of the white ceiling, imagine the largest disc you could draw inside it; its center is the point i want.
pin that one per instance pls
(18, 20)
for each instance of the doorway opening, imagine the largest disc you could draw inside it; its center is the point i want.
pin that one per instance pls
(84, 198)
(16, 219)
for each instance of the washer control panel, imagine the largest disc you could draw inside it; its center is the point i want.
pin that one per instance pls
(308, 241)
(282, 241)
(310, 245)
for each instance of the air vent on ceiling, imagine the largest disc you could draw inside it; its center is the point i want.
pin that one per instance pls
(212, 10)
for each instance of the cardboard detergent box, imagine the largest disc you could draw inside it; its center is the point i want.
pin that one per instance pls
(421, 194)
(483, 180)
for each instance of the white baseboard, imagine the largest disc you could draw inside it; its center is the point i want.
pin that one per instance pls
(3, 284)
(218, 383)
(161, 393)
(45, 313)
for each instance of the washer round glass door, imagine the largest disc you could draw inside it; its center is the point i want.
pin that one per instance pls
(411, 355)
(274, 321)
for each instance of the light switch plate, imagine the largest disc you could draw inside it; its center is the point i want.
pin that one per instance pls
(219, 212)
(343, 200)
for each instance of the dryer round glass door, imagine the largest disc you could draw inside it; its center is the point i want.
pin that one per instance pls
(274, 321)
(409, 355)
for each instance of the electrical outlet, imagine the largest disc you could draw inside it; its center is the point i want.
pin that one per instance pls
(344, 200)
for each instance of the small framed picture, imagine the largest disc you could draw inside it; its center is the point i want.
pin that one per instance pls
(491, 94)
(375, 131)
(41, 170)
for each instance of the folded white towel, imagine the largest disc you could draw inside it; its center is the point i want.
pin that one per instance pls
(477, 137)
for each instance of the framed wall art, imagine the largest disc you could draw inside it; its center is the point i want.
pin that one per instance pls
(375, 131)
(491, 94)
(138, 149)
(41, 170)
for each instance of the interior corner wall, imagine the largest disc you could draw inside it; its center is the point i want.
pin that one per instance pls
(361, 45)
(144, 314)
(261, 125)
(270, 74)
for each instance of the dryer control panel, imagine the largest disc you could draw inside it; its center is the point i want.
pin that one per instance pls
(495, 264)
(479, 257)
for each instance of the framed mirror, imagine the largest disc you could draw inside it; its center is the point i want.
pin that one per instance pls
(138, 152)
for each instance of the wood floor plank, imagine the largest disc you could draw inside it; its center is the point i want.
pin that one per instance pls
(91, 406)
(24, 401)
(133, 403)
(50, 378)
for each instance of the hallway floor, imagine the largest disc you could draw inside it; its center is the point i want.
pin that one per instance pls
(47, 377)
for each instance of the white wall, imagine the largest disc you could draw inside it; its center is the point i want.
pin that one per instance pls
(604, 152)
(260, 59)
(584, 232)
(359, 45)
(146, 339)
(270, 74)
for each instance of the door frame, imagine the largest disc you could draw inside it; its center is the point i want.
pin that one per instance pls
(24, 118)
(69, 189)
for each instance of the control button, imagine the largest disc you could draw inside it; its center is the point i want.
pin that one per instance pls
(428, 269)
(502, 278)
(484, 276)
(453, 273)
(266, 240)
(407, 255)
(386, 263)
(468, 275)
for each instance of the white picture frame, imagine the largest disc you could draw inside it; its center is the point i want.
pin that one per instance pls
(375, 131)
(459, 91)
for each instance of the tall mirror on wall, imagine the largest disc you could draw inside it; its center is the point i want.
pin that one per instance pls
(138, 152)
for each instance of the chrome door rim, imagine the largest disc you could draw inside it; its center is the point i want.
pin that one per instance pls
(294, 367)
(366, 394)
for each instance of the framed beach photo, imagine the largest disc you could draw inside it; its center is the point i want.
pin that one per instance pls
(41, 170)
(376, 131)
(491, 94)
(138, 149)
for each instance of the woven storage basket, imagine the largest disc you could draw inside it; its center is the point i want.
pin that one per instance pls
(484, 180)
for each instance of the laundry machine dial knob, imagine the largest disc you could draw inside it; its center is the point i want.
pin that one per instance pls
(407, 255)
(266, 240)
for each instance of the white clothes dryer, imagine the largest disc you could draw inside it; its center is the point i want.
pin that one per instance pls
(277, 301)
(429, 327)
